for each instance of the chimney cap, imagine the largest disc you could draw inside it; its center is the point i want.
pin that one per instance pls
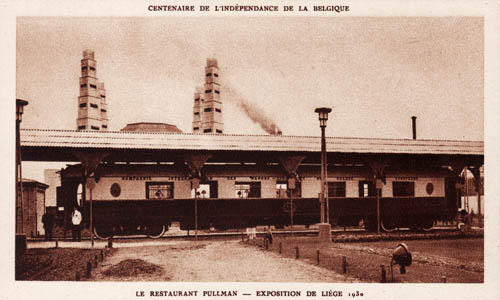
(212, 62)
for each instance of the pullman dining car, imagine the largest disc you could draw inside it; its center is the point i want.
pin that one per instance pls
(147, 198)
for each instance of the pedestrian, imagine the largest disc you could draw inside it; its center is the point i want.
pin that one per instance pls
(48, 223)
(76, 220)
(269, 236)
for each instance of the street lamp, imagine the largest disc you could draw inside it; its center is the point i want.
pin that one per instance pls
(324, 229)
(20, 237)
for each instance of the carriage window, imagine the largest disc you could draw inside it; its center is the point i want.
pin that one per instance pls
(159, 190)
(403, 188)
(336, 189)
(366, 189)
(281, 190)
(247, 189)
(202, 192)
(207, 189)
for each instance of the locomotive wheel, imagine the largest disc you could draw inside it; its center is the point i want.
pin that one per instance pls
(155, 231)
(387, 225)
(103, 233)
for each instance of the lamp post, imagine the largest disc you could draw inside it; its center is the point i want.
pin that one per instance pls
(20, 236)
(324, 231)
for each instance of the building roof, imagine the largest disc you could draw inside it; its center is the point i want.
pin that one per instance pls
(151, 127)
(226, 142)
(27, 182)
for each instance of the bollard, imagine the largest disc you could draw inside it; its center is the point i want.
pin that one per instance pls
(317, 256)
(297, 252)
(344, 264)
(280, 248)
(383, 278)
(443, 279)
(110, 243)
(77, 276)
(95, 261)
(267, 244)
(89, 269)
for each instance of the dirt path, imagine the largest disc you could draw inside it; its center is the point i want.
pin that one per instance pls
(214, 261)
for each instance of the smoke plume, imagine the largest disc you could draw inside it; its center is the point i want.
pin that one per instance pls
(256, 114)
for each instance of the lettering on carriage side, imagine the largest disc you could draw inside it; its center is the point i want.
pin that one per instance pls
(136, 177)
(345, 178)
(178, 178)
(406, 178)
(259, 177)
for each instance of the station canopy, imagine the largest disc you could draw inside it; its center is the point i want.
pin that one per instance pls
(120, 146)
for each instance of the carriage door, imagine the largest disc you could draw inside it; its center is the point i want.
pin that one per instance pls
(452, 195)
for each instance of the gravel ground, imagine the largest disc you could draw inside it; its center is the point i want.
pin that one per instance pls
(215, 261)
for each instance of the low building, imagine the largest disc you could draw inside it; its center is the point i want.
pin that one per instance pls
(32, 208)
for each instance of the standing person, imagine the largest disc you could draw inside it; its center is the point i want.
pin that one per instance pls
(269, 235)
(48, 223)
(76, 220)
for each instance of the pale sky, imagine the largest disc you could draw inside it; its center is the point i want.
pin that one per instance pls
(375, 72)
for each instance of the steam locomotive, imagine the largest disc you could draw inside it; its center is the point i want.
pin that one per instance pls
(146, 198)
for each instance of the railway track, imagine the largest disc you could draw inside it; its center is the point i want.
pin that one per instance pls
(338, 234)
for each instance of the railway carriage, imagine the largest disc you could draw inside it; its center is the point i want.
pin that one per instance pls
(147, 198)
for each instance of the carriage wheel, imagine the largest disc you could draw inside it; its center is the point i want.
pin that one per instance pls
(155, 231)
(103, 233)
(427, 224)
(387, 225)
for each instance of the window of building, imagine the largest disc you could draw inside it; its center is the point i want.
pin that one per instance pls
(218, 110)
(209, 74)
(93, 105)
(104, 126)
(84, 68)
(103, 96)
(196, 113)
(93, 86)
(207, 130)
(208, 109)
(247, 189)
(94, 127)
(217, 92)
(366, 189)
(216, 75)
(218, 131)
(196, 128)
(197, 99)
(103, 110)
(84, 85)
(92, 68)
(83, 104)
(159, 190)
(403, 188)
(208, 91)
(81, 127)
(336, 189)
